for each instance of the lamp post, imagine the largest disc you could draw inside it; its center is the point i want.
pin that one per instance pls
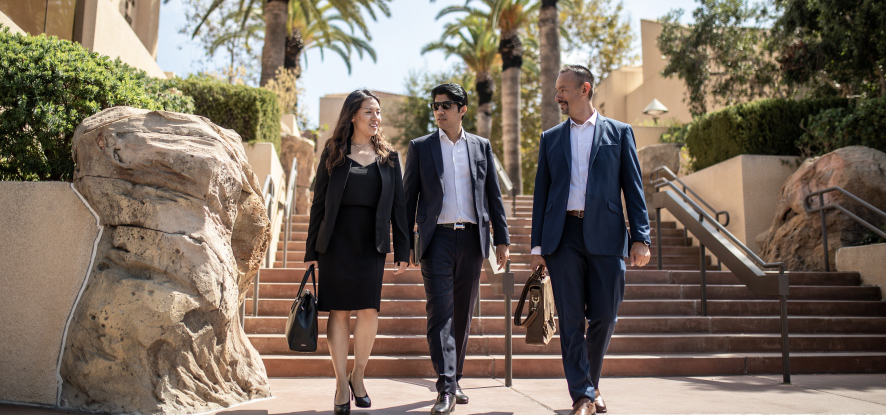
(655, 109)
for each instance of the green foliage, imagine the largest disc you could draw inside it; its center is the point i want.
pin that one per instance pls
(675, 134)
(724, 57)
(252, 112)
(768, 126)
(48, 87)
(415, 117)
(600, 32)
(862, 123)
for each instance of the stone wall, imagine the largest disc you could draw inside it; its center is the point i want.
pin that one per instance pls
(867, 260)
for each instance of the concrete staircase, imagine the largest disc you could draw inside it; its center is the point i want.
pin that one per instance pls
(836, 325)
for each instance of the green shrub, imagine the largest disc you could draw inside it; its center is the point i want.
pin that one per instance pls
(48, 87)
(862, 123)
(768, 126)
(251, 112)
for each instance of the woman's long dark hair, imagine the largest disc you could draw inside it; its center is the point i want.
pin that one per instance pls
(337, 144)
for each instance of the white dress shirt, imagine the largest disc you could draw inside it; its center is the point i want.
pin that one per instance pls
(458, 196)
(581, 137)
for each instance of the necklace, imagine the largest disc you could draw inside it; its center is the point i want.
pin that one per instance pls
(362, 145)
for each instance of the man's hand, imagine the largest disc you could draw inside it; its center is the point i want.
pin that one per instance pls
(401, 266)
(503, 254)
(535, 261)
(640, 255)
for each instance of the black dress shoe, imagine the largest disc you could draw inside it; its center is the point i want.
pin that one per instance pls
(360, 401)
(460, 397)
(445, 404)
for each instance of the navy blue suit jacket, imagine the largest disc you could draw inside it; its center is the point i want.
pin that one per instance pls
(423, 186)
(614, 168)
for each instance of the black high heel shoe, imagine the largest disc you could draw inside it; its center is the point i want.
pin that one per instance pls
(344, 408)
(360, 401)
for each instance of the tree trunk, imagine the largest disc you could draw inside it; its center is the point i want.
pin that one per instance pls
(272, 53)
(511, 50)
(294, 47)
(549, 60)
(485, 86)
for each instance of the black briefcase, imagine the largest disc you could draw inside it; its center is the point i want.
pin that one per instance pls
(301, 326)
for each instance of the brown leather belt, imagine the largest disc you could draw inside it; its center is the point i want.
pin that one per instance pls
(577, 213)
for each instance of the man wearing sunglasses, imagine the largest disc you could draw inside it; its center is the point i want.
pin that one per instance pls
(452, 194)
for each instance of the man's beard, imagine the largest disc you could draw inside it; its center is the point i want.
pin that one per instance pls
(564, 109)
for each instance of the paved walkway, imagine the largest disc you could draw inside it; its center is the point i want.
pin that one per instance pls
(856, 394)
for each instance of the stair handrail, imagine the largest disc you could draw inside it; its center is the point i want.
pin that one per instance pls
(506, 184)
(709, 230)
(287, 209)
(823, 207)
(686, 188)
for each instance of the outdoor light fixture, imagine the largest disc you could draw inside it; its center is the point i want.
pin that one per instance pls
(655, 109)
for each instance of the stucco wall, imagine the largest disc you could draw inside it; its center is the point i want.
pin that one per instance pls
(46, 247)
(647, 136)
(105, 31)
(610, 94)
(6, 21)
(263, 159)
(748, 187)
(868, 260)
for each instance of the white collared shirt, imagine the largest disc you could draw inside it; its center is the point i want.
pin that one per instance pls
(581, 137)
(458, 196)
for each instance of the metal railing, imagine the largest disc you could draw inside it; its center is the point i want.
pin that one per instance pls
(673, 177)
(287, 209)
(823, 207)
(740, 259)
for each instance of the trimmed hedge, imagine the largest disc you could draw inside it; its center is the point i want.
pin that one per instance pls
(251, 112)
(768, 126)
(48, 87)
(862, 123)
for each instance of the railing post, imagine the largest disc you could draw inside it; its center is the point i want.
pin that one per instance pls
(824, 233)
(243, 314)
(704, 283)
(509, 351)
(658, 235)
(785, 346)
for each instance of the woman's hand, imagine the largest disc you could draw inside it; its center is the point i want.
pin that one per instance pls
(401, 266)
(314, 263)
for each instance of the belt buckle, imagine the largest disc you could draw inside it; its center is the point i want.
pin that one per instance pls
(458, 226)
(581, 214)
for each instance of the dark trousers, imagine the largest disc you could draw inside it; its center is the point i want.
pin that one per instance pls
(451, 271)
(587, 291)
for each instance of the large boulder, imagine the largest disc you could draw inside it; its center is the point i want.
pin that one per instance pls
(795, 235)
(302, 149)
(185, 229)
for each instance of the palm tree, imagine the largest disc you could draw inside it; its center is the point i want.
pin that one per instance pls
(476, 45)
(316, 28)
(549, 60)
(509, 16)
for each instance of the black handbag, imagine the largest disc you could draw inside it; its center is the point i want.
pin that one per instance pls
(540, 327)
(301, 326)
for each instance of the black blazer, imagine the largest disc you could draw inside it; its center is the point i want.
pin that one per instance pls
(328, 190)
(423, 184)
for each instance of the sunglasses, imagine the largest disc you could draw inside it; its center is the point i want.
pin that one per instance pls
(445, 104)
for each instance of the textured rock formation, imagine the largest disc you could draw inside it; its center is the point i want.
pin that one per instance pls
(652, 157)
(303, 150)
(795, 236)
(157, 328)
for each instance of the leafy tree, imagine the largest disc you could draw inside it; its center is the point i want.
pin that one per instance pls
(601, 31)
(834, 46)
(234, 29)
(477, 46)
(724, 57)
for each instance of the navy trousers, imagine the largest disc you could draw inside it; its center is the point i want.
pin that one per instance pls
(587, 291)
(450, 268)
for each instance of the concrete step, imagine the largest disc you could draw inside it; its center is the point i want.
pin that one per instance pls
(494, 325)
(614, 365)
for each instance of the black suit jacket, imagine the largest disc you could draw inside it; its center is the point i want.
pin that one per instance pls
(423, 183)
(328, 190)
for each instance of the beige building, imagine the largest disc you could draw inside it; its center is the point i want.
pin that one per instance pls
(330, 107)
(125, 29)
(627, 91)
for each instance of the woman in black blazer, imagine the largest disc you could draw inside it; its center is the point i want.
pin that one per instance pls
(358, 199)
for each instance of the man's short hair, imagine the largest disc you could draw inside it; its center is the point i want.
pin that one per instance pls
(583, 74)
(453, 91)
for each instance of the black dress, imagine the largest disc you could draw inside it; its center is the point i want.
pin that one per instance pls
(351, 269)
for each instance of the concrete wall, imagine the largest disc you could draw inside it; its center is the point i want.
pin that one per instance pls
(46, 248)
(748, 187)
(868, 260)
(104, 30)
(263, 159)
(611, 93)
(330, 107)
(6, 21)
(647, 136)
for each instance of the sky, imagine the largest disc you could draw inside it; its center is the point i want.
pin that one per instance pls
(397, 40)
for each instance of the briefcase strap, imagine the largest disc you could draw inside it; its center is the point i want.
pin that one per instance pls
(308, 273)
(533, 313)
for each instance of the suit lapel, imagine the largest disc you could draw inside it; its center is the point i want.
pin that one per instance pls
(566, 142)
(437, 154)
(473, 153)
(598, 138)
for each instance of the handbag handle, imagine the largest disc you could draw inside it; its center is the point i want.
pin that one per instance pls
(308, 273)
(518, 313)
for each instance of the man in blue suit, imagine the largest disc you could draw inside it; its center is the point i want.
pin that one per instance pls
(452, 194)
(578, 229)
